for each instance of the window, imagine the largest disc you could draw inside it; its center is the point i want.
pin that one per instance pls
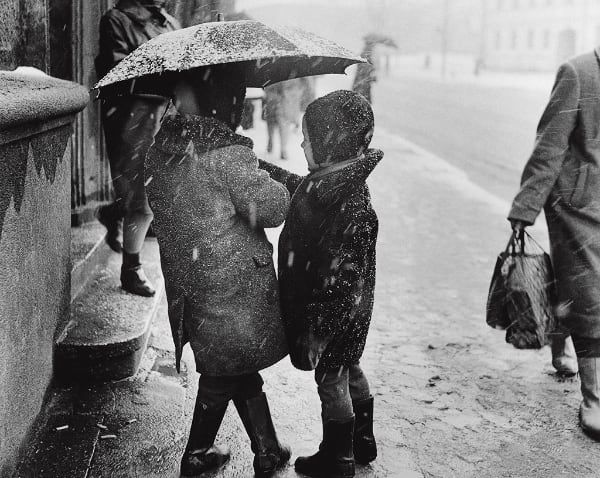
(498, 40)
(531, 39)
(513, 40)
(546, 39)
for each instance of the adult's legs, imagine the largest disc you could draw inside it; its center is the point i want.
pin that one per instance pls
(270, 134)
(284, 135)
(588, 360)
(130, 127)
(564, 359)
(335, 458)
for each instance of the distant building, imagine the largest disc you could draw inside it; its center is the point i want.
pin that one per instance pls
(537, 35)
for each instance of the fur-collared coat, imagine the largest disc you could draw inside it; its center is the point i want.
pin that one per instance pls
(211, 204)
(327, 263)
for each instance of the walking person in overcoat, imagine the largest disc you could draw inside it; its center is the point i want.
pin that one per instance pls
(562, 177)
(283, 105)
(211, 204)
(129, 120)
(366, 74)
(327, 275)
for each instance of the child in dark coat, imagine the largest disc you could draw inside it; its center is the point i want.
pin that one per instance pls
(327, 275)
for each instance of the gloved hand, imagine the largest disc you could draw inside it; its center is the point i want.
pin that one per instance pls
(518, 226)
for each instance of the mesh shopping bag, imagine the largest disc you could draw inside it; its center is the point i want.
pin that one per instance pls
(522, 294)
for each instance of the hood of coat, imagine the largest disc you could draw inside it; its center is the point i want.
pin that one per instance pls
(334, 184)
(206, 134)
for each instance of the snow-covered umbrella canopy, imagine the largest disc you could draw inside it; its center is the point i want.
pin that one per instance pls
(270, 54)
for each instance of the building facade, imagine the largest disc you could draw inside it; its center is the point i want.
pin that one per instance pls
(537, 35)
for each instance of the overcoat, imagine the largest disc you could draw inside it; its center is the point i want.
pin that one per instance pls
(130, 119)
(211, 204)
(563, 177)
(326, 261)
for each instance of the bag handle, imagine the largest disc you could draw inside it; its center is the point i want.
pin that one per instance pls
(514, 241)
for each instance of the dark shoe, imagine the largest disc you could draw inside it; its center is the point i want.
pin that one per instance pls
(335, 458)
(200, 453)
(284, 155)
(564, 359)
(134, 280)
(365, 447)
(110, 218)
(269, 454)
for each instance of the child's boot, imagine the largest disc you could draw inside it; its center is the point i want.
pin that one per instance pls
(269, 454)
(335, 458)
(200, 453)
(365, 447)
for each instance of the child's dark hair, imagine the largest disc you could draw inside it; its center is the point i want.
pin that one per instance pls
(339, 126)
(220, 91)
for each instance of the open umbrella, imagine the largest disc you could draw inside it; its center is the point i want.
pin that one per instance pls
(270, 54)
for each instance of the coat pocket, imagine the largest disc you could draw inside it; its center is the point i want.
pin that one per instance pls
(580, 194)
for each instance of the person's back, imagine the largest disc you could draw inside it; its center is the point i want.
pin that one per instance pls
(129, 120)
(126, 26)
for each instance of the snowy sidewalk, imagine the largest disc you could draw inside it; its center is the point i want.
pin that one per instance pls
(451, 398)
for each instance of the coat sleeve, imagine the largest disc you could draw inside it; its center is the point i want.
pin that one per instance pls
(113, 45)
(290, 180)
(342, 274)
(552, 143)
(256, 197)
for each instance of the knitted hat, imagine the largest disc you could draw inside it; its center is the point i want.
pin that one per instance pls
(339, 126)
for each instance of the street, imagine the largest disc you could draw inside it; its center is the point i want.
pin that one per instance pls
(484, 129)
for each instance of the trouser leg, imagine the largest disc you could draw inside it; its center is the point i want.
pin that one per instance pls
(365, 446)
(284, 134)
(358, 383)
(334, 392)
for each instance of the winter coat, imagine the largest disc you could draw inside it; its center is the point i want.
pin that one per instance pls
(563, 177)
(327, 262)
(124, 28)
(130, 120)
(210, 203)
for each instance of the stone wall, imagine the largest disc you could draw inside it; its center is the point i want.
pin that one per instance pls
(36, 115)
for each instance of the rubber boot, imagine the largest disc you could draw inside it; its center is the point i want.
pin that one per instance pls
(200, 453)
(589, 411)
(111, 217)
(564, 359)
(365, 447)
(269, 454)
(133, 278)
(335, 458)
